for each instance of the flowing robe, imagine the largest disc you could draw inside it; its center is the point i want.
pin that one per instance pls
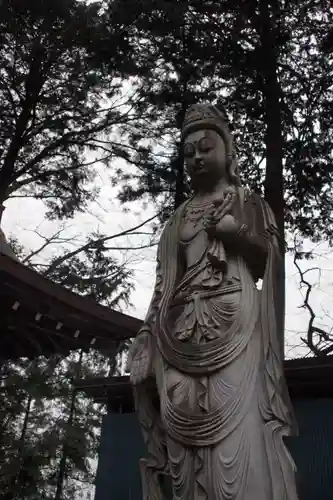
(223, 408)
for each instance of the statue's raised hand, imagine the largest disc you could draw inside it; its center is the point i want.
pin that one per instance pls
(225, 207)
(140, 358)
(220, 221)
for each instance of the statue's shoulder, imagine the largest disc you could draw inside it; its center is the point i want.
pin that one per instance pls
(254, 198)
(171, 227)
(262, 214)
(260, 202)
(248, 198)
(251, 196)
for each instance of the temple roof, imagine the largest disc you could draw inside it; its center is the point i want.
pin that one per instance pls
(39, 316)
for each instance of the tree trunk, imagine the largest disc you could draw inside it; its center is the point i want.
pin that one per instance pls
(274, 138)
(180, 181)
(184, 77)
(34, 83)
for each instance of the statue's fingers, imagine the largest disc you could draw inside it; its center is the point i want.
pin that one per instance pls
(219, 209)
(209, 224)
(227, 209)
(223, 210)
(209, 219)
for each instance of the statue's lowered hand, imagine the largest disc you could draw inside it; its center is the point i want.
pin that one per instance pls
(139, 362)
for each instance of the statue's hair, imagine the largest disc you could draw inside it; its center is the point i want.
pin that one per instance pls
(209, 117)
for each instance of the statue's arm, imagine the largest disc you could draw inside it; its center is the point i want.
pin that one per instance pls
(254, 241)
(252, 238)
(254, 250)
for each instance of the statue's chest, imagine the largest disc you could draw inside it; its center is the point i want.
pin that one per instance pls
(193, 221)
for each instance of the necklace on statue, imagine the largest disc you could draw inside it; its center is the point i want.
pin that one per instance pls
(195, 212)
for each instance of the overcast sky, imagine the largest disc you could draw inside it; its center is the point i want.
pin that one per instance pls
(23, 216)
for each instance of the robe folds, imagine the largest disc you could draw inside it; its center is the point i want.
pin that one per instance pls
(223, 408)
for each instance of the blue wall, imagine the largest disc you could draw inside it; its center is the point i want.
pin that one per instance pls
(121, 447)
(313, 450)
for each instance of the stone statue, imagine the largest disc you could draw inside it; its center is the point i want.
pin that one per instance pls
(207, 367)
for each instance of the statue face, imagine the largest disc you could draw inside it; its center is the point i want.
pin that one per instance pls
(205, 157)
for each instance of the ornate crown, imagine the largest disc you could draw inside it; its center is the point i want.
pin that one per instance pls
(204, 116)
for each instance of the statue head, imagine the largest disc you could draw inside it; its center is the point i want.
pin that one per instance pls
(208, 145)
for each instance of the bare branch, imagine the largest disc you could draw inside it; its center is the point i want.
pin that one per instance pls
(141, 247)
(55, 238)
(93, 244)
(312, 329)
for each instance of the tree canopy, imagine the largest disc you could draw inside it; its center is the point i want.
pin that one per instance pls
(61, 74)
(270, 65)
(84, 83)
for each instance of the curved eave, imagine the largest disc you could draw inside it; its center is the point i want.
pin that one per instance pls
(42, 317)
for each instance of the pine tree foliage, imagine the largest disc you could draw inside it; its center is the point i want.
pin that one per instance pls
(47, 430)
(61, 88)
(60, 93)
